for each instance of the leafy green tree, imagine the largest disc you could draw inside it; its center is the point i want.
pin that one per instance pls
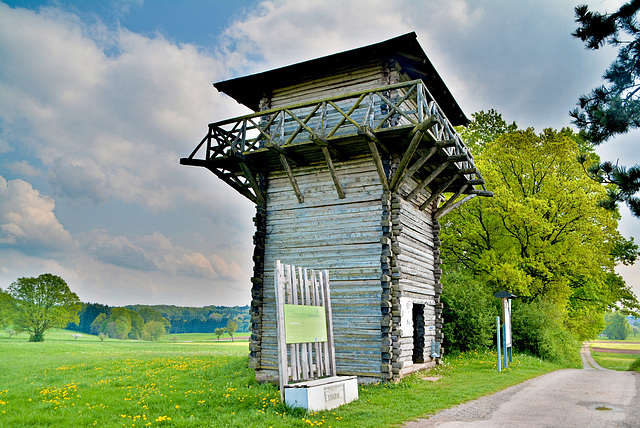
(232, 327)
(219, 332)
(87, 315)
(613, 108)
(484, 128)
(617, 326)
(119, 325)
(150, 314)
(469, 313)
(43, 303)
(538, 327)
(7, 309)
(137, 325)
(99, 324)
(541, 235)
(153, 330)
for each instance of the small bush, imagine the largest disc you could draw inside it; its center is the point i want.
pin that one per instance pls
(469, 313)
(538, 328)
(635, 365)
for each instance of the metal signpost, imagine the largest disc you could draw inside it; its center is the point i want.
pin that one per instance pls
(504, 330)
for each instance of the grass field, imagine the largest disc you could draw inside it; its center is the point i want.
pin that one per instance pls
(613, 360)
(86, 382)
(204, 337)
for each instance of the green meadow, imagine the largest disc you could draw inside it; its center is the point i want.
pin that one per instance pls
(206, 383)
(617, 360)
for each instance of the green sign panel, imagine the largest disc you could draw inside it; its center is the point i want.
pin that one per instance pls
(304, 324)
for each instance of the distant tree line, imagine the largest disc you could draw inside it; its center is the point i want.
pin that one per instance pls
(150, 322)
(204, 319)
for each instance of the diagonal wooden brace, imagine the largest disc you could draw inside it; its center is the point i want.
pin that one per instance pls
(252, 181)
(332, 171)
(417, 132)
(424, 183)
(372, 140)
(445, 207)
(292, 179)
(437, 193)
(443, 211)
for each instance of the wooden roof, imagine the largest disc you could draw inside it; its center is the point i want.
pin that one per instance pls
(405, 49)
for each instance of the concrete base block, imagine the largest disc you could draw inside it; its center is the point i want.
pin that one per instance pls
(322, 394)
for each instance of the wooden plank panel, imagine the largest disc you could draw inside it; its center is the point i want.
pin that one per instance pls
(341, 237)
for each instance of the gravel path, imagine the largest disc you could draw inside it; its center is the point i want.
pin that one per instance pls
(591, 397)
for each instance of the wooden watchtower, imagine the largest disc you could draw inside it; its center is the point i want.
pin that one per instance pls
(351, 159)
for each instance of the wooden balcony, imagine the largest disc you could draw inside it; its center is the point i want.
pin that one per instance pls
(401, 119)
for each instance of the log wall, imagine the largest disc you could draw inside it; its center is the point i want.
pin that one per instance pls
(341, 235)
(339, 82)
(381, 251)
(419, 262)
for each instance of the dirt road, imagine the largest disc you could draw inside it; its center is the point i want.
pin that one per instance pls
(591, 397)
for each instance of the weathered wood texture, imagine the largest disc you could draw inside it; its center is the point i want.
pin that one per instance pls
(257, 281)
(341, 235)
(410, 265)
(337, 82)
(303, 361)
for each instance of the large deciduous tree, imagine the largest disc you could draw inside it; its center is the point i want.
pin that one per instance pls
(231, 328)
(542, 235)
(7, 310)
(613, 108)
(618, 328)
(43, 303)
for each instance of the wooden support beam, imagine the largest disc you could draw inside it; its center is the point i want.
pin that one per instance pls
(244, 191)
(370, 133)
(418, 164)
(445, 143)
(290, 159)
(458, 158)
(252, 181)
(450, 201)
(372, 141)
(417, 132)
(424, 183)
(321, 142)
(480, 192)
(437, 193)
(424, 126)
(443, 211)
(475, 181)
(332, 170)
(292, 179)
(466, 171)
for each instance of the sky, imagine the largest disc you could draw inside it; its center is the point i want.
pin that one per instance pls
(100, 99)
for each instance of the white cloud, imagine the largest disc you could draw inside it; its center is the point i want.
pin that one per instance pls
(108, 111)
(27, 220)
(279, 33)
(79, 178)
(23, 168)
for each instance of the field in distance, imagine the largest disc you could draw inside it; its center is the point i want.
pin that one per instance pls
(197, 381)
(619, 355)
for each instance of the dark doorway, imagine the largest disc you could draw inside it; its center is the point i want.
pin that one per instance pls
(418, 333)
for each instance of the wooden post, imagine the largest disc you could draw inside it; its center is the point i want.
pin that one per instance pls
(282, 350)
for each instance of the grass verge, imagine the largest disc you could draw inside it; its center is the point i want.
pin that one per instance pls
(85, 382)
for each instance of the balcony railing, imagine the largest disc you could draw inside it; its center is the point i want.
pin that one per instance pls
(390, 115)
(402, 105)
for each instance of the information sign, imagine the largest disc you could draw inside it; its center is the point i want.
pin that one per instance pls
(305, 324)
